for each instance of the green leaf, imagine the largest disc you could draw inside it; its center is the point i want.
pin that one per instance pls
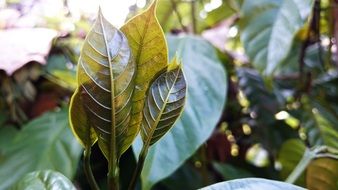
(205, 101)
(44, 180)
(7, 133)
(168, 18)
(44, 143)
(60, 70)
(269, 28)
(230, 172)
(259, 96)
(79, 123)
(178, 180)
(148, 45)
(252, 184)
(164, 104)
(319, 129)
(289, 156)
(106, 73)
(227, 9)
(322, 173)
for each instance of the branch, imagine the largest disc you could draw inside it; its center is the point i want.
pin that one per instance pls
(179, 17)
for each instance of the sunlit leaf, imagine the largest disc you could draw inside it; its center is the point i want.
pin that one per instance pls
(206, 95)
(106, 71)
(164, 103)
(44, 180)
(79, 123)
(149, 48)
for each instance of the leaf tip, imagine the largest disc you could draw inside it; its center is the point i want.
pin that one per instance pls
(153, 6)
(99, 12)
(175, 63)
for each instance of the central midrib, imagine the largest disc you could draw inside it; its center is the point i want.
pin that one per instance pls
(142, 40)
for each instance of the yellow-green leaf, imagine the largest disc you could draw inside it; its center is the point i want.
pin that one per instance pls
(149, 47)
(79, 124)
(106, 72)
(164, 103)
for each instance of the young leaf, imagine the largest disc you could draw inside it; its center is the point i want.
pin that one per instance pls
(163, 106)
(164, 103)
(206, 96)
(148, 44)
(105, 86)
(79, 124)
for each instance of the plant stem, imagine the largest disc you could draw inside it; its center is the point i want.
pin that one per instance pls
(139, 167)
(113, 176)
(88, 170)
(308, 156)
(179, 17)
(193, 16)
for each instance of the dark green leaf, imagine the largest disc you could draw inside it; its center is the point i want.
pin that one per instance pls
(319, 130)
(164, 103)
(7, 133)
(44, 143)
(230, 172)
(269, 28)
(207, 86)
(78, 120)
(44, 180)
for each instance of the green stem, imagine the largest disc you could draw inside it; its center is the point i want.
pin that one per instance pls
(179, 17)
(88, 170)
(193, 16)
(308, 156)
(113, 176)
(139, 167)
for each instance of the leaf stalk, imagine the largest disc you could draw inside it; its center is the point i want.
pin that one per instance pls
(139, 167)
(88, 171)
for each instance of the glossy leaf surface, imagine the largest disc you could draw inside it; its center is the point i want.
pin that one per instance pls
(79, 123)
(269, 28)
(205, 101)
(105, 84)
(164, 104)
(252, 184)
(44, 180)
(44, 143)
(148, 45)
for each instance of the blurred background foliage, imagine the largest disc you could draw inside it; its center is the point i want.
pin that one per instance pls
(273, 64)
